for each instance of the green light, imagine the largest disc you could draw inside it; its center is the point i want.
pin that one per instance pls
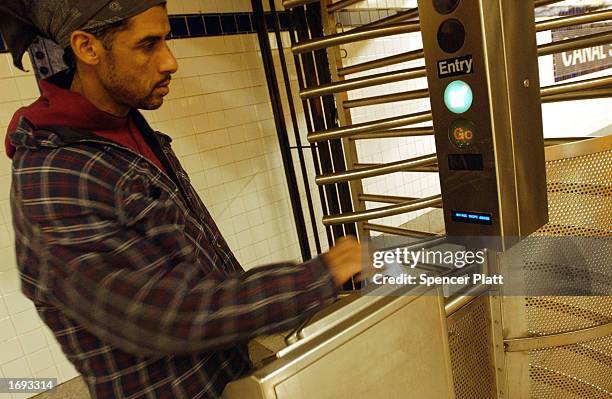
(458, 96)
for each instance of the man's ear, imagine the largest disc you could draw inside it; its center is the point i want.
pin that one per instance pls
(86, 47)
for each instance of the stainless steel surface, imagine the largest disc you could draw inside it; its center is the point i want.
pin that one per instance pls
(369, 127)
(542, 3)
(381, 62)
(350, 36)
(582, 147)
(557, 340)
(576, 86)
(511, 185)
(376, 213)
(594, 39)
(344, 118)
(579, 95)
(580, 371)
(561, 346)
(400, 16)
(359, 83)
(457, 302)
(407, 132)
(296, 3)
(433, 168)
(386, 199)
(377, 170)
(351, 359)
(470, 339)
(387, 98)
(574, 20)
(339, 5)
(332, 7)
(397, 231)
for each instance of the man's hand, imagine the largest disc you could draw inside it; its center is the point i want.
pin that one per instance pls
(344, 260)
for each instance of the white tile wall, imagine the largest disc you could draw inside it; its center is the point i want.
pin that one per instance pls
(25, 351)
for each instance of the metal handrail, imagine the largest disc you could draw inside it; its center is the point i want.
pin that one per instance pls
(556, 340)
(351, 36)
(394, 133)
(297, 3)
(578, 148)
(377, 213)
(382, 62)
(594, 39)
(341, 4)
(542, 3)
(376, 170)
(369, 127)
(366, 81)
(386, 98)
(385, 199)
(332, 7)
(579, 95)
(398, 231)
(456, 302)
(563, 22)
(594, 83)
(398, 17)
(433, 168)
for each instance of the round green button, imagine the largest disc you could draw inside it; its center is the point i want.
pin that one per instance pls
(458, 97)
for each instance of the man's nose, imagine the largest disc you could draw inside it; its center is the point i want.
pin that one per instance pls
(168, 64)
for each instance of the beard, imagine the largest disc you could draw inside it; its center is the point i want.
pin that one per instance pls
(127, 90)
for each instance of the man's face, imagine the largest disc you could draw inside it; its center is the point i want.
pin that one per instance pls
(137, 69)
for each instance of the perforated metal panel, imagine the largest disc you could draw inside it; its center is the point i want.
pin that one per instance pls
(574, 371)
(470, 346)
(580, 196)
(580, 205)
(554, 315)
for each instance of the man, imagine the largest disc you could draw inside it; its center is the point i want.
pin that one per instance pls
(114, 247)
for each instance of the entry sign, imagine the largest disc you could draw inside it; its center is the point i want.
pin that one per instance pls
(456, 66)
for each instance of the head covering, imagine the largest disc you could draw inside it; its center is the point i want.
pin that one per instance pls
(22, 20)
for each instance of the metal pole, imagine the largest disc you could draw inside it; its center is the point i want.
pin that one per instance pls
(281, 127)
(321, 118)
(309, 113)
(296, 129)
(350, 36)
(337, 151)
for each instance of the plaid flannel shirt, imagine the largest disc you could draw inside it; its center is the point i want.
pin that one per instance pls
(126, 266)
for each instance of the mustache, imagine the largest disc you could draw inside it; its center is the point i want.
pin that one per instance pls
(165, 81)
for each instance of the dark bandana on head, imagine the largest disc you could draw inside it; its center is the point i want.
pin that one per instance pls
(22, 20)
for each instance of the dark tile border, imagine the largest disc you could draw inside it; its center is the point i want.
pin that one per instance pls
(201, 25)
(186, 26)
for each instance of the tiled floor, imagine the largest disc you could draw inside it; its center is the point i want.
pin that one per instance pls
(73, 389)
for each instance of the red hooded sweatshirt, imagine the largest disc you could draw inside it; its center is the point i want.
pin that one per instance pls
(61, 107)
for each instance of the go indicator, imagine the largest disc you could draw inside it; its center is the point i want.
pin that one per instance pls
(461, 133)
(458, 97)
